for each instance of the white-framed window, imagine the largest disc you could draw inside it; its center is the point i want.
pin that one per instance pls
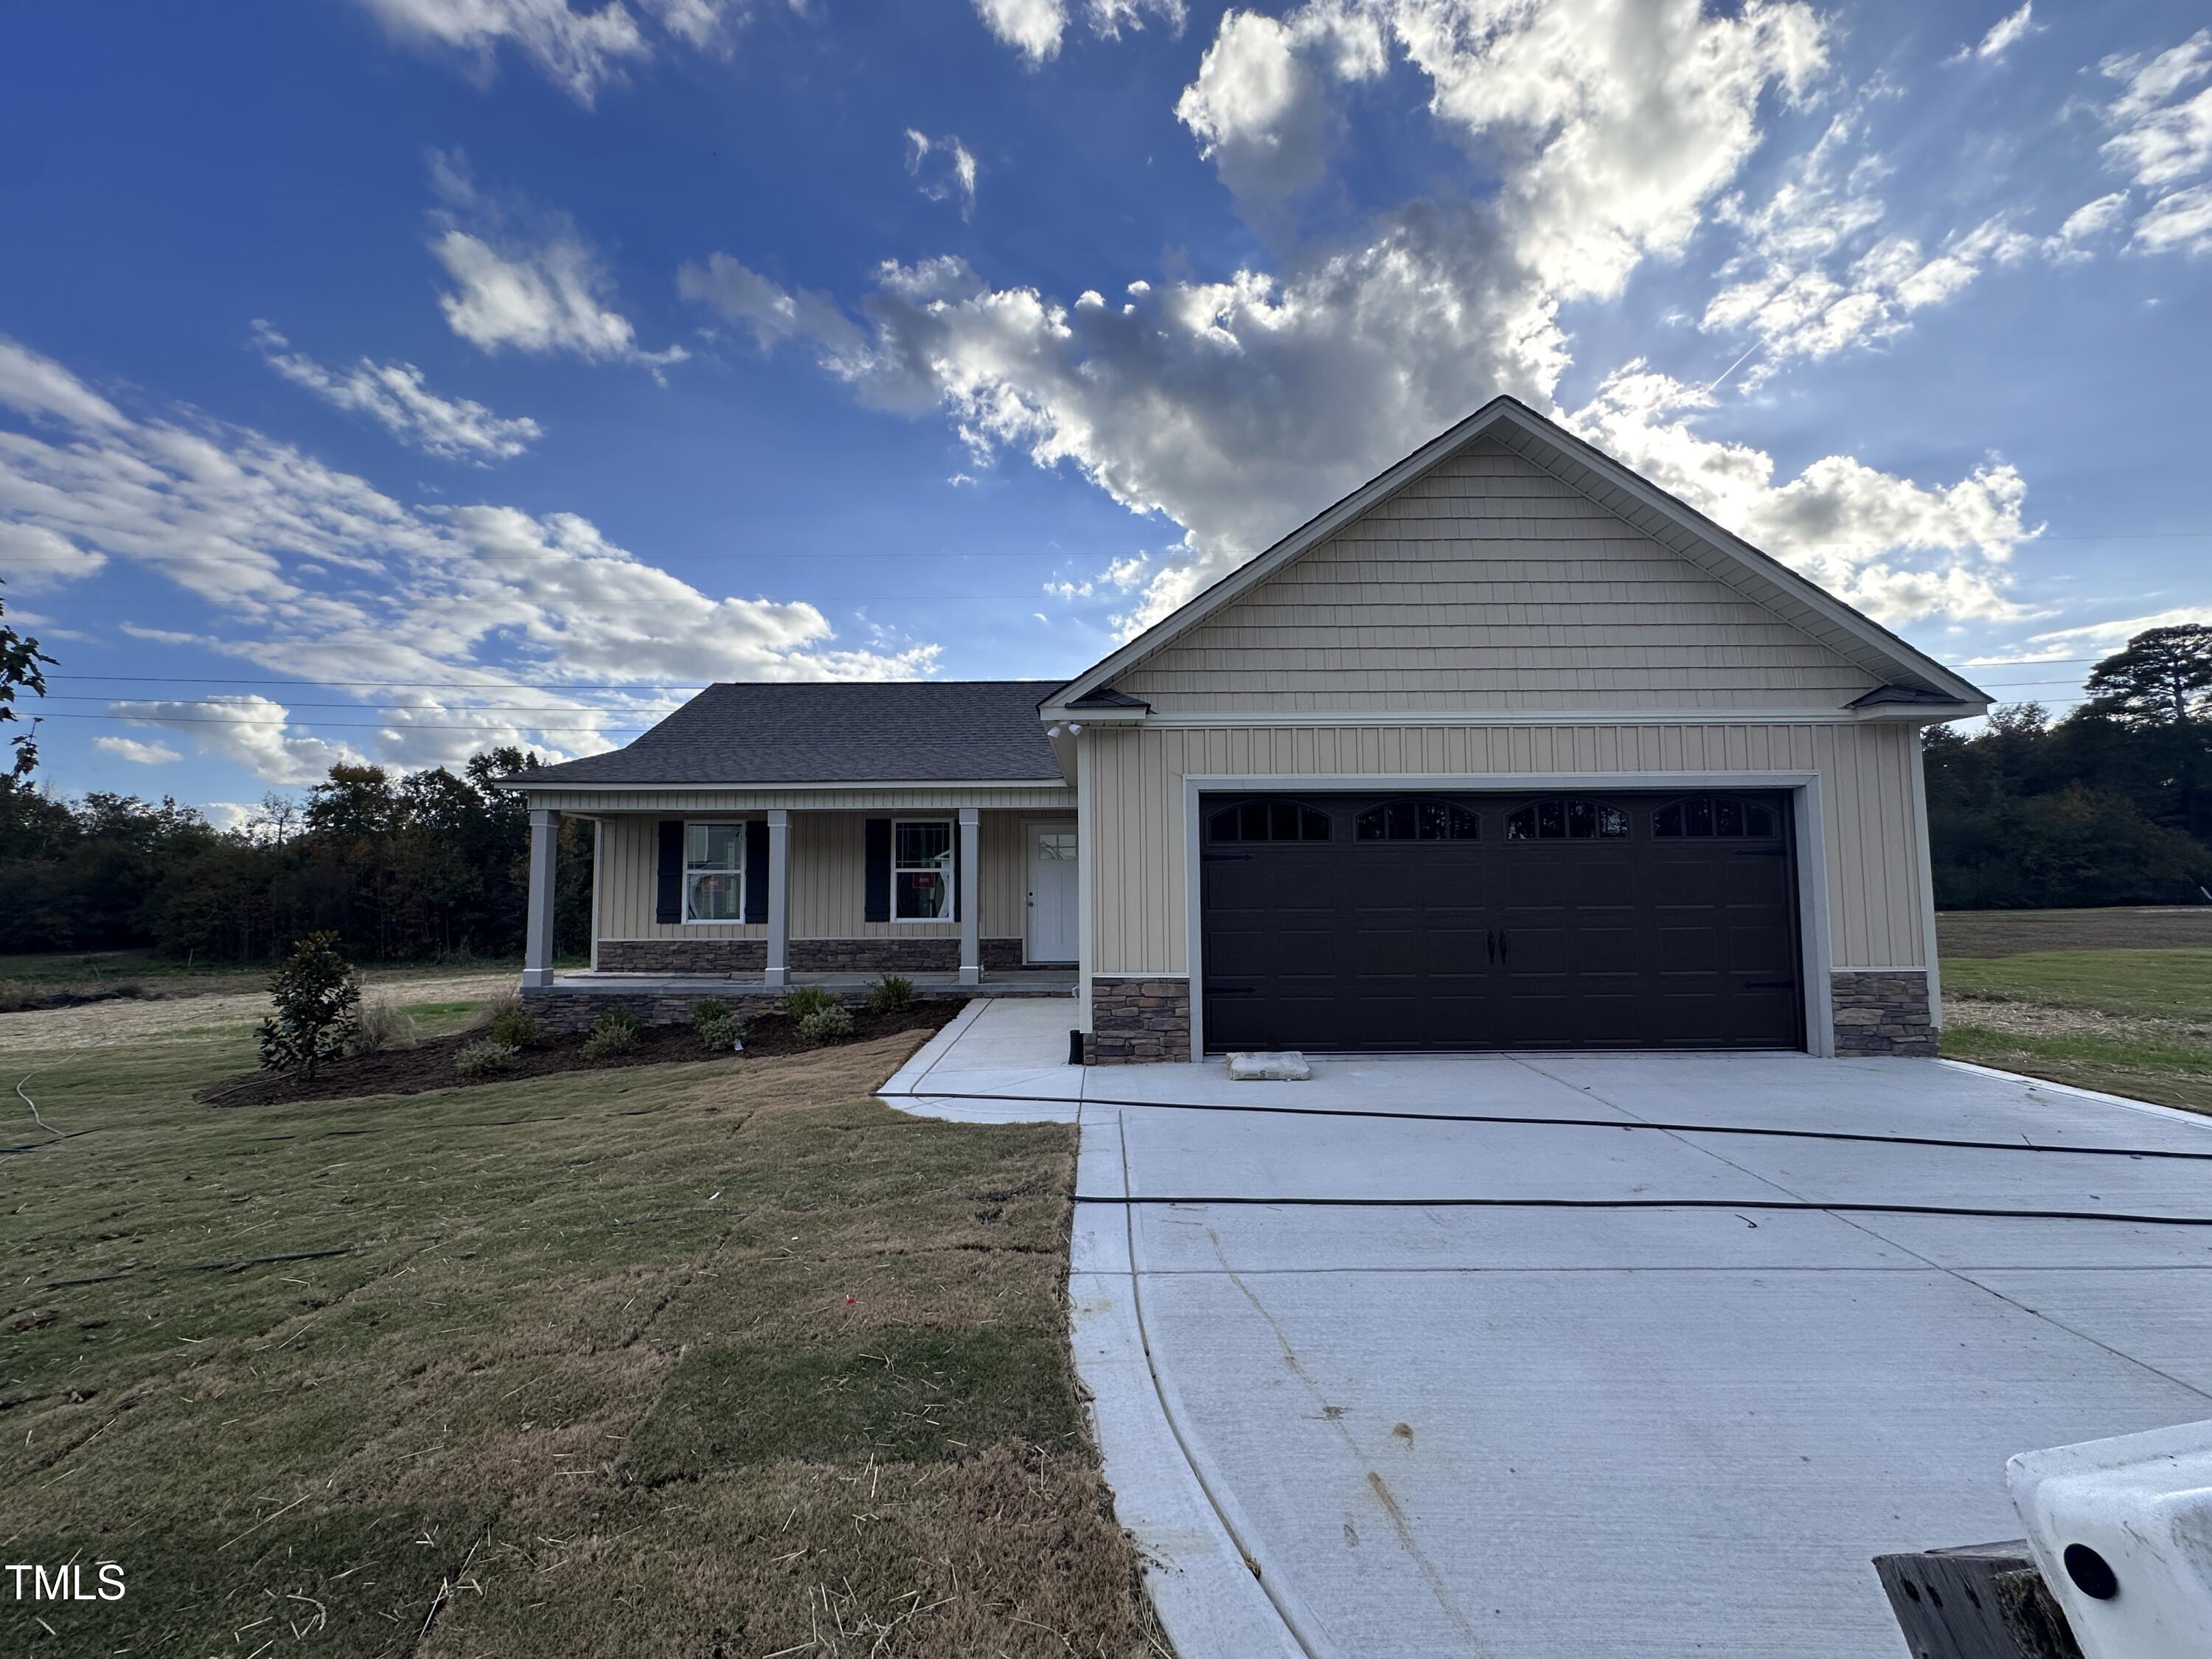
(922, 854)
(713, 872)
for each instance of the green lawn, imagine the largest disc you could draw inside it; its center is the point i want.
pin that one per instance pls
(2135, 1022)
(718, 1360)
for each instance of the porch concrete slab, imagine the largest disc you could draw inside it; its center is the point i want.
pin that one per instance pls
(1001, 1061)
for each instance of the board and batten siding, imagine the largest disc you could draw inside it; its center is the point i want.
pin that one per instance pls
(1489, 583)
(1138, 836)
(827, 873)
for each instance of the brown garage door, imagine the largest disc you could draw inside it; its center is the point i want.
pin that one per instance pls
(1337, 922)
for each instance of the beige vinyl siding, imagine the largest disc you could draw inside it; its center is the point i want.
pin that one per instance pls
(1138, 836)
(1491, 584)
(828, 879)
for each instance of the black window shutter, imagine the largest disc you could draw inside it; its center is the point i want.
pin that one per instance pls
(959, 887)
(877, 888)
(669, 895)
(756, 870)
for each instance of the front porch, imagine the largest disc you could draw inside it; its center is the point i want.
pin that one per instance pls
(745, 895)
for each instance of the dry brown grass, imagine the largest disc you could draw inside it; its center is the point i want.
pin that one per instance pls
(2017, 933)
(684, 1360)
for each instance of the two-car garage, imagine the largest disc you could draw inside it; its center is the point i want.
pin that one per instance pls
(1340, 922)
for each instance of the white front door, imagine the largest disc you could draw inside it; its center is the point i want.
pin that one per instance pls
(1052, 936)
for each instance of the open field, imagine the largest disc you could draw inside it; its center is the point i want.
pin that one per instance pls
(706, 1359)
(2104, 999)
(229, 999)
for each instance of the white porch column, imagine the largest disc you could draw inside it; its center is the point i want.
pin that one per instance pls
(970, 892)
(537, 932)
(779, 895)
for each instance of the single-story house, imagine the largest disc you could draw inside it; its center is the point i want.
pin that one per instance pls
(1508, 749)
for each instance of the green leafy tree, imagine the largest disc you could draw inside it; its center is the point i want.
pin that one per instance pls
(2160, 686)
(2161, 677)
(22, 668)
(317, 1007)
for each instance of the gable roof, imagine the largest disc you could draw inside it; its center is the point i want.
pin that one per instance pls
(833, 732)
(1670, 522)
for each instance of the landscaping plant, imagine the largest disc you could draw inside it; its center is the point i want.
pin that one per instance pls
(317, 1007)
(827, 1024)
(615, 1033)
(803, 999)
(720, 1027)
(517, 1027)
(892, 994)
(483, 1058)
(380, 1025)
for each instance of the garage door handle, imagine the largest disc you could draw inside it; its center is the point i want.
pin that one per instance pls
(1490, 943)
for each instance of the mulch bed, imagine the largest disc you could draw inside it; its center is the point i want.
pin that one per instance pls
(429, 1064)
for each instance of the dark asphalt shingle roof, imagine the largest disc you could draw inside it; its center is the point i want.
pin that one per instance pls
(836, 731)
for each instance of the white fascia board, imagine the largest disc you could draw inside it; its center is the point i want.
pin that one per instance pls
(1061, 714)
(1638, 500)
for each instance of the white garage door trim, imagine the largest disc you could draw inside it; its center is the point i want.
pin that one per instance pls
(1804, 789)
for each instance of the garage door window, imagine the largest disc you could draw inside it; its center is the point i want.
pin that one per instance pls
(1725, 816)
(1268, 820)
(1416, 820)
(1566, 817)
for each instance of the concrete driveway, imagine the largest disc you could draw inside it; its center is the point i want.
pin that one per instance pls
(1660, 1390)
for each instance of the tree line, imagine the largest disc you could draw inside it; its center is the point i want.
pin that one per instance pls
(419, 865)
(2112, 804)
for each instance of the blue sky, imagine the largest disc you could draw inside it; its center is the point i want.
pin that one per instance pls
(387, 378)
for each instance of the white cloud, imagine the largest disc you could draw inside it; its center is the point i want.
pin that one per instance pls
(248, 732)
(2162, 140)
(139, 754)
(527, 279)
(2100, 637)
(2005, 32)
(949, 176)
(227, 815)
(1034, 27)
(579, 51)
(1816, 274)
(302, 565)
(1260, 109)
(2183, 219)
(396, 396)
(1896, 549)
(35, 557)
(1235, 408)
(2086, 223)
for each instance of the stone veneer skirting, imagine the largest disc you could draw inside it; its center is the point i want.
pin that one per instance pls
(1137, 1019)
(1884, 1012)
(564, 1011)
(808, 956)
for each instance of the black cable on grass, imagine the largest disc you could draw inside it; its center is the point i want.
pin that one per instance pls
(1197, 1199)
(1579, 1123)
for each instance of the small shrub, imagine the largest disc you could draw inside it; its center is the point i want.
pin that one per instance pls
(720, 1027)
(483, 1058)
(517, 1027)
(16, 996)
(827, 1025)
(892, 994)
(803, 999)
(382, 1026)
(615, 1034)
(317, 1005)
(506, 1002)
